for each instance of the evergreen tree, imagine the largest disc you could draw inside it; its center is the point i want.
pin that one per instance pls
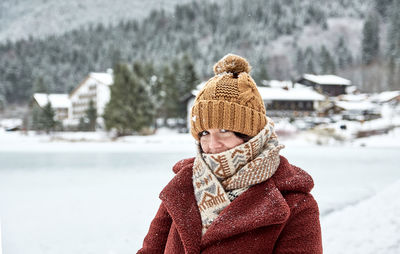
(300, 62)
(130, 108)
(177, 86)
(370, 40)
(261, 73)
(393, 51)
(48, 118)
(189, 81)
(40, 86)
(91, 115)
(171, 98)
(383, 7)
(309, 60)
(43, 118)
(327, 63)
(36, 115)
(3, 101)
(343, 54)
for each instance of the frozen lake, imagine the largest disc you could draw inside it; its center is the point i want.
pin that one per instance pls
(102, 201)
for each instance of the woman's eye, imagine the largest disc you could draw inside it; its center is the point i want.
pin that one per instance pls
(223, 130)
(204, 133)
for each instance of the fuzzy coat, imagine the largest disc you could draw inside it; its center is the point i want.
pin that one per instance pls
(275, 216)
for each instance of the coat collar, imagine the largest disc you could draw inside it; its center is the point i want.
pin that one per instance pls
(260, 206)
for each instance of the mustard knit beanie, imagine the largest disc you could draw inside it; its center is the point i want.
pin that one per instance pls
(229, 100)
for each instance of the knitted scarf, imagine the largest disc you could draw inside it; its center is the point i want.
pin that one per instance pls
(219, 178)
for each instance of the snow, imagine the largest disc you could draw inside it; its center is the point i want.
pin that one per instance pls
(296, 94)
(353, 97)
(10, 123)
(371, 226)
(279, 83)
(363, 105)
(385, 96)
(102, 194)
(24, 18)
(56, 100)
(327, 79)
(105, 78)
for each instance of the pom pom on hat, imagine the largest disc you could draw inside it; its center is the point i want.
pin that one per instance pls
(232, 64)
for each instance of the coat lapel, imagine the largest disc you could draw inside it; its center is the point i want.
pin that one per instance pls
(261, 205)
(178, 197)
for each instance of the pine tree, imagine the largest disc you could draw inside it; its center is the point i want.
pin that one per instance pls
(370, 40)
(309, 60)
(327, 63)
(188, 83)
(383, 7)
(48, 118)
(261, 73)
(91, 115)
(300, 62)
(393, 51)
(40, 86)
(36, 115)
(129, 109)
(43, 118)
(343, 54)
(169, 86)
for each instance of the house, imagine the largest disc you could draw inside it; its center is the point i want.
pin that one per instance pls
(95, 87)
(59, 102)
(330, 85)
(392, 97)
(358, 110)
(296, 101)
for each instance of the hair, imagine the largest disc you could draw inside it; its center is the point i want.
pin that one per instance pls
(244, 137)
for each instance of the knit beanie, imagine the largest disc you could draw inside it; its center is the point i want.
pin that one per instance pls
(229, 100)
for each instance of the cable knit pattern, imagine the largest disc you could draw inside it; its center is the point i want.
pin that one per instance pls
(230, 100)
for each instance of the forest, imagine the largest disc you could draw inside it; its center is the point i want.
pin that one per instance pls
(206, 31)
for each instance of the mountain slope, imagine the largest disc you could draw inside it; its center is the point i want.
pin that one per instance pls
(282, 39)
(22, 18)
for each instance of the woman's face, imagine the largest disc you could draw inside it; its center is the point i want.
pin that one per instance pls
(218, 140)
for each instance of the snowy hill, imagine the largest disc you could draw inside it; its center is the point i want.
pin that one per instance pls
(281, 39)
(21, 18)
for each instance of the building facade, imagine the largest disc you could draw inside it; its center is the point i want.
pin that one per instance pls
(330, 85)
(59, 102)
(96, 88)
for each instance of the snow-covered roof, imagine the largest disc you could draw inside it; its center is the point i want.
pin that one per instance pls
(347, 105)
(385, 96)
(56, 100)
(103, 77)
(353, 97)
(279, 83)
(294, 94)
(327, 79)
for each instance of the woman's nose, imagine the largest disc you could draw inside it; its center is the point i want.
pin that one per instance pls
(215, 143)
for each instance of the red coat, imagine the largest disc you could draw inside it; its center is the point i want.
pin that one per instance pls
(275, 216)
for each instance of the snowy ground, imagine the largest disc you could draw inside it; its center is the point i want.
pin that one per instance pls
(96, 196)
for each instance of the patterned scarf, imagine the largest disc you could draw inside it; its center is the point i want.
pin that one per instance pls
(219, 178)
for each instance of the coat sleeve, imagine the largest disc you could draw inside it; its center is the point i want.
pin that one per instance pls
(156, 238)
(302, 231)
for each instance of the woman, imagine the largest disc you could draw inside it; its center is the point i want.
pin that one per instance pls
(238, 195)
